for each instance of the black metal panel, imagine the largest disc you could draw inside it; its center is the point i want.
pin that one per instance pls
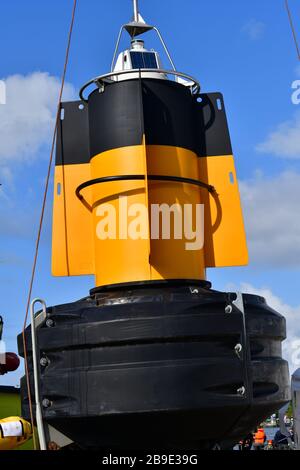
(169, 114)
(159, 361)
(212, 128)
(115, 117)
(73, 134)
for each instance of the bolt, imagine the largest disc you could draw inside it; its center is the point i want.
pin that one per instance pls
(228, 309)
(44, 361)
(241, 391)
(50, 323)
(195, 291)
(238, 349)
(46, 403)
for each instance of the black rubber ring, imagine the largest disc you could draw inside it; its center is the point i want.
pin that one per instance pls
(175, 179)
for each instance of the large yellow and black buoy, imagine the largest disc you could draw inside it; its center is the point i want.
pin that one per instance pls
(146, 198)
(152, 142)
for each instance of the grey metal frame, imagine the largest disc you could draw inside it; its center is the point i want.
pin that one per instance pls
(150, 28)
(102, 80)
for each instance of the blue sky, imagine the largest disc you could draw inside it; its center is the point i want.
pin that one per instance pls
(243, 49)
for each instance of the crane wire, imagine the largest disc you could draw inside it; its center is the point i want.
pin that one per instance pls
(38, 239)
(293, 28)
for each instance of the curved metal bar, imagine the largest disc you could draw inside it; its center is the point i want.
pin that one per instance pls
(117, 48)
(100, 81)
(174, 179)
(165, 48)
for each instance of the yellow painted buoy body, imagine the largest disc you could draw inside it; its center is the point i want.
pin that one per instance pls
(150, 153)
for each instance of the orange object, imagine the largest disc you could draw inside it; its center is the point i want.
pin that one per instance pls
(260, 437)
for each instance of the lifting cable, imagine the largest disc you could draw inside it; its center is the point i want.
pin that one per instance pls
(38, 239)
(293, 28)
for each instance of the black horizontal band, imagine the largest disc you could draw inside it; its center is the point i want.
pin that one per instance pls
(164, 112)
(174, 179)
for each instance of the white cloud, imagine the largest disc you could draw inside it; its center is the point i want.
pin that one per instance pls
(27, 119)
(291, 347)
(254, 29)
(272, 217)
(284, 141)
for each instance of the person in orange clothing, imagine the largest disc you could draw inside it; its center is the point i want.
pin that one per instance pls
(259, 439)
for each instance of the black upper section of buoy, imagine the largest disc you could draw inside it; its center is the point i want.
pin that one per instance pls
(116, 117)
(165, 111)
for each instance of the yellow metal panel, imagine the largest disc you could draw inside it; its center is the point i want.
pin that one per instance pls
(169, 258)
(225, 238)
(73, 238)
(78, 251)
(126, 260)
(120, 260)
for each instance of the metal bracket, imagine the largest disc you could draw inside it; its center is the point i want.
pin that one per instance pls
(60, 439)
(239, 304)
(35, 359)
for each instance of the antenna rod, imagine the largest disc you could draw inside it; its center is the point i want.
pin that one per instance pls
(136, 11)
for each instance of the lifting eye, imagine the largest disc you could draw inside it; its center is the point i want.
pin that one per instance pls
(231, 177)
(58, 189)
(62, 114)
